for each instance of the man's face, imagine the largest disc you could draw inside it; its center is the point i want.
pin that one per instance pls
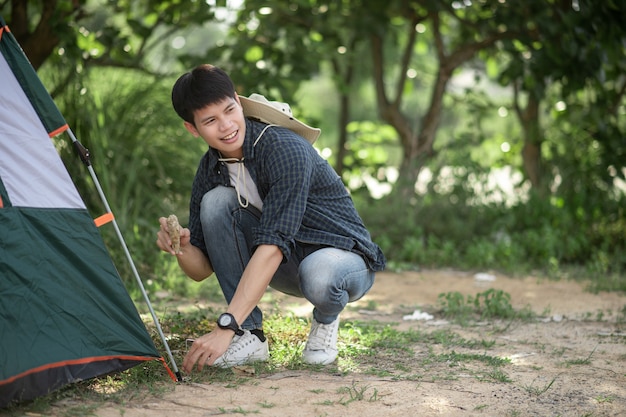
(222, 126)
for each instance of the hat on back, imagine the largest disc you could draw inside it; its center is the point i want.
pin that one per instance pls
(273, 112)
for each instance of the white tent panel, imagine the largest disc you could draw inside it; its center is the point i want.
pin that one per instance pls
(30, 168)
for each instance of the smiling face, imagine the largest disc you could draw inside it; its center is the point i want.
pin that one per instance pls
(222, 125)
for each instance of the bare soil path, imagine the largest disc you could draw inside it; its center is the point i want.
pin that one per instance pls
(572, 363)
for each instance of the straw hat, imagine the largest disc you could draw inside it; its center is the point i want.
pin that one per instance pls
(273, 112)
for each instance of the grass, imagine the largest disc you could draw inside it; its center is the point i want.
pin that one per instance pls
(357, 392)
(487, 305)
(538, 390)
(582, 361)
(377, 349)
(366, 347)
(237, 410)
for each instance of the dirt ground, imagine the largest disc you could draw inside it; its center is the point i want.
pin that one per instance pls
(572, 362)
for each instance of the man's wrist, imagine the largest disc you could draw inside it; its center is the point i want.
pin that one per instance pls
(227, 321)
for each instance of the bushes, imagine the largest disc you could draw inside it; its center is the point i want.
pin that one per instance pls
(532, 235)
(144, 159)
(146, 162)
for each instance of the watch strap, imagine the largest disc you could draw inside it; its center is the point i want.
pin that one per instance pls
(234, 326)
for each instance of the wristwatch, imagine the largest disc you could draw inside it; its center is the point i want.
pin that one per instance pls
(227, 321)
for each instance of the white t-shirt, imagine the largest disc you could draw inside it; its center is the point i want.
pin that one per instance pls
(242, 181)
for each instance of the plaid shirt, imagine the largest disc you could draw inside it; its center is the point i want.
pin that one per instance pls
(304, 200)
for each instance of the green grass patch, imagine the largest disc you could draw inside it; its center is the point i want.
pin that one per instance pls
(488, 305)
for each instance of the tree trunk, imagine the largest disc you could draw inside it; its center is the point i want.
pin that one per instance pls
(408, 173)
(39, 43)
(533, 139)
(344, 83)
(417, 147)
(344, 117)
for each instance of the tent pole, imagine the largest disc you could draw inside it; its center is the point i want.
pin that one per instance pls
(84, 156)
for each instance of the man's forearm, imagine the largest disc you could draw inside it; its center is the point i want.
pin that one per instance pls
(255, 280)
(194, 263)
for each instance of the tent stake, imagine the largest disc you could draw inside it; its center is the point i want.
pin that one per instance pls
(85, 157)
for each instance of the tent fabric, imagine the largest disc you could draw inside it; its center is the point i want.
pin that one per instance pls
(48, 112)
(25, 141)
(65, 315)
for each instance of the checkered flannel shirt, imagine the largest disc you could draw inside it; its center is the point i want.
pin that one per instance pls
(304, 200)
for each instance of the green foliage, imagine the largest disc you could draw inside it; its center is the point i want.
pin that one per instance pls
(368, 151)
(571, 56)
(490, 304)
(144, 160)
(453, 304)
(285, 334)
(454, 225)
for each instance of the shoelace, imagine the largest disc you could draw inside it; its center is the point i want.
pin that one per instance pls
(320, 337)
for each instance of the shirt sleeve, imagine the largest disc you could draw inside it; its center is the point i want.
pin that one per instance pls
(198, 189)
(286, 167)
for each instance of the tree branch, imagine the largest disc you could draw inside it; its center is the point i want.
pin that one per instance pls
(406, 60)
(389, 113)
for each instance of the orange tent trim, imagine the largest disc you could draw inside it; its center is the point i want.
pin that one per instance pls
(58, 131)
(104, 219)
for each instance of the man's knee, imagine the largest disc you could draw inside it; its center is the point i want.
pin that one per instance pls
(320, 276)
(333, 273)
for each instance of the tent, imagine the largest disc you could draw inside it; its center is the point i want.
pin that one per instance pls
(65, 315)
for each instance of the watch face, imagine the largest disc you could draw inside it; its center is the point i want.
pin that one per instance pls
(225, 320)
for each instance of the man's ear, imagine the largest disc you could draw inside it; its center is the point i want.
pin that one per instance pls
(191, 129)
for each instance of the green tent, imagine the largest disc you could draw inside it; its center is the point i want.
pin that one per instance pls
(65, 315)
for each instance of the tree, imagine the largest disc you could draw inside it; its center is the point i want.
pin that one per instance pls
(41, 36)
(573, 47)
(311, 34)
(458, 35)
(80, 34)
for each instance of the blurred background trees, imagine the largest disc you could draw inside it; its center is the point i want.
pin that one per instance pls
(472, 134)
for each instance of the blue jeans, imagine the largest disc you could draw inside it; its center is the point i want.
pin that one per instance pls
(327, 277)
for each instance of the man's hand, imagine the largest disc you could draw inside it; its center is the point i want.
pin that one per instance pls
(206, 349)
(190, 258)
(164, 240)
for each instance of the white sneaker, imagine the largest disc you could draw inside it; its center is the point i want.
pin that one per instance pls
(321, 348)
(244, 349)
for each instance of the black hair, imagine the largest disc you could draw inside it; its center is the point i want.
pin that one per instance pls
(204, 85)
